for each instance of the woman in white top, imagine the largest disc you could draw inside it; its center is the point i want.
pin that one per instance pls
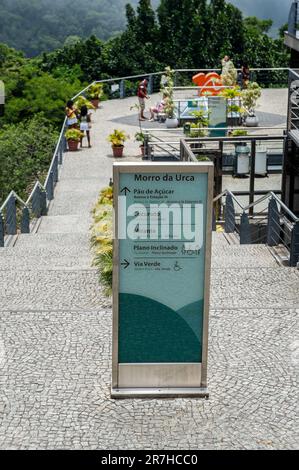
(85, 123)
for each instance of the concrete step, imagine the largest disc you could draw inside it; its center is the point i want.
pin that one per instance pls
(265, 287)
(64, 224)
(51, 290)
(241, 256)
(47, 251)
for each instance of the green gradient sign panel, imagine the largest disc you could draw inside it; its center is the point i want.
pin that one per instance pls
(161, 277)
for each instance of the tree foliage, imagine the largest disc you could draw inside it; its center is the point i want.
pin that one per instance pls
(26, 150)
(180, 34)
(35, 26)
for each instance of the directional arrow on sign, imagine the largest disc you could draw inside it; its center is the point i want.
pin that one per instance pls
(125, 190)
(126, 264)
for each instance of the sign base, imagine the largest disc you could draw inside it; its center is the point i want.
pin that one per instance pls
(117, 393)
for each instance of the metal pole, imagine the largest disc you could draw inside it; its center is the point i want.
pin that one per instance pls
(252, 176)
(25, 221)
(11, 216)
(273, 228)
(50, 187)
(1, 231)
(122, 90)
(43, 198)
(294, 252)
(230, 215)
(245, 234)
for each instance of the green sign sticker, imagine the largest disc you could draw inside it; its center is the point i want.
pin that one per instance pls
(161, 280)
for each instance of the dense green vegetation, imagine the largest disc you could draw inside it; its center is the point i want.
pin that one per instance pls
(182, 34)
(26, 149)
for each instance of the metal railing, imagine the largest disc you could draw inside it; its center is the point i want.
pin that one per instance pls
(274, 226)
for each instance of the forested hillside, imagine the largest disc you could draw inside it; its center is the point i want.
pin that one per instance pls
(35, 26)
(181, 34)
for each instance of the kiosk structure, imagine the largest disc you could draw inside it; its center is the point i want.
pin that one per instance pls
(161, 279)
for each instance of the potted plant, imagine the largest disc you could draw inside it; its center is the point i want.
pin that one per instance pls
(95, 93)
(140, 137)
(234, 109)
(250, 97)
(169, 109)
(73, 137)
(82, 101)
(117, 139)
(239, 133)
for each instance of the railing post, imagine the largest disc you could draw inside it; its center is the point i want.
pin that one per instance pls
(245, 234)
(25, 221)
(151, 85)
(64, 143)
(122, 90)
(214, 225)
(55, 169)
(146, 147)
(1, 231)
(50, 187)
(36, 202)
(43, 199)
(294, 251)
(11, 216)
(175, 78)
(273, 228)
(230, 215)
(60, 153)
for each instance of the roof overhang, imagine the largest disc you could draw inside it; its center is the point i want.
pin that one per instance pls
(291, 41)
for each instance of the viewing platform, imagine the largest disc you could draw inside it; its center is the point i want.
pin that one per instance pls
(56, 324)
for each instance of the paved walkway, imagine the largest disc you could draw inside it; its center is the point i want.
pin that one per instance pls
(55, 337)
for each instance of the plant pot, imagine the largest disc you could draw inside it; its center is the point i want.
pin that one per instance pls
(142, 150)
(172, 123)
(252, 121)
(117, 151)
(73, 145)
(95, 103)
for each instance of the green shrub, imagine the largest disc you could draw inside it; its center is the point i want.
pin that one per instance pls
(102, 238)
(26, 151)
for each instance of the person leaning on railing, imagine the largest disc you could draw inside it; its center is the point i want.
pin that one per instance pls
(71, 114)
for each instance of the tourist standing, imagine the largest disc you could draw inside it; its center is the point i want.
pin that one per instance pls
(142, 96)
(71, 114)
(245, 75)
(85, 123)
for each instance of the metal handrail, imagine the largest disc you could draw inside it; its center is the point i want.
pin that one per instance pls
(279, 202)
(61, 135)
(269, 195)
(225, 193)
(12, 193)
(37, 185)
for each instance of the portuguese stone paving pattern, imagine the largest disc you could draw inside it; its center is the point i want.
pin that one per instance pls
(55, 338)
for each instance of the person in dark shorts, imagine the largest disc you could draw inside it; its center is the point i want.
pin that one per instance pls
(142, 96)
(245, 75)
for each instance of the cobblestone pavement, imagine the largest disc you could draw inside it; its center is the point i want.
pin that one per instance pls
(55, 338)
